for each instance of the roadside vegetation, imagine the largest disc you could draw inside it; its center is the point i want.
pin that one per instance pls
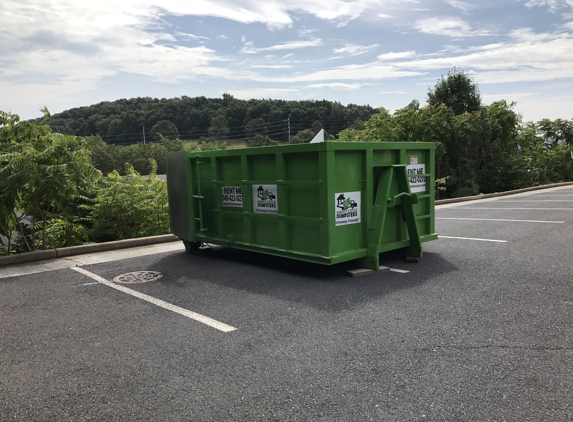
(59, 189)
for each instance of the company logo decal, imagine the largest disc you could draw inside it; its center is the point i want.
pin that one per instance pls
(265, 199)
(347, 208)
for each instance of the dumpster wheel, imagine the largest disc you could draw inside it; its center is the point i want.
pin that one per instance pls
(191, 246)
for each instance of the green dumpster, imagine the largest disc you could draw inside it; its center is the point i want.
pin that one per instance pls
(326, 203)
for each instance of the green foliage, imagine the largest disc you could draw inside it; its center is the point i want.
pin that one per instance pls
(41, 175)
(482, 151)
(219, 128)
(206, 144)
(164, 129)
(52, 195)
(108, 158)
(121, 121)
(256, 127)
(130, 206)
(303, 137)
(458, 92)
(260, 141)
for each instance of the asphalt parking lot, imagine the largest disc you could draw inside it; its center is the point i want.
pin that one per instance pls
(481, 329)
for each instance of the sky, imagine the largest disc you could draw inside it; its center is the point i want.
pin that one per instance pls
(385, 53)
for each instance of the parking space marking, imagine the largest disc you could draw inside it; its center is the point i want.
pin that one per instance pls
(162, 304)
(499, 219)
(472, 238)
(398, 270)
(535, 200)
(542, 209)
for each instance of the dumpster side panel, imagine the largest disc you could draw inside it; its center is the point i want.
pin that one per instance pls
(303, 201)
(349, 201)
(180, 211)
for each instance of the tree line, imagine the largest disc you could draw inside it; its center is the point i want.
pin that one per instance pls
(479, 148)
(129, 121)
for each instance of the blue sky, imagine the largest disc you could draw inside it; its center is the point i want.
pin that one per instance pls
(66, 53)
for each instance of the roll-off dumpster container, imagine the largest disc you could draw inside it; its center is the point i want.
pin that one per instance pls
(327, 202)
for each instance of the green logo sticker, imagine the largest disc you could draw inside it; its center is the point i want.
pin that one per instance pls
(347, 208)
(265, 199)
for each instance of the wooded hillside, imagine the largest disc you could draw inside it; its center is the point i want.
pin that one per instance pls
(225, 119)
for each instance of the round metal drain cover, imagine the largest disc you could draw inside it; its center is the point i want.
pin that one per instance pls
(138, 277)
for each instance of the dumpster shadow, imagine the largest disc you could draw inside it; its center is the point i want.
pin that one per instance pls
(319, 286)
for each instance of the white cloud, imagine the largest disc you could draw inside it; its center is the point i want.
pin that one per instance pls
(465, 7)
(249, 48)
(449, 26)
(272, 66)
(552, 5)
(336, 85)
(355, 50)
(306, 32)
(395, 56)
(187, 36)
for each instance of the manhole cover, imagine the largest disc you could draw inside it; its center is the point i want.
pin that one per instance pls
(138, 277)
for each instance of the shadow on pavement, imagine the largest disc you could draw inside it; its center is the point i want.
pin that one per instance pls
(319, 286)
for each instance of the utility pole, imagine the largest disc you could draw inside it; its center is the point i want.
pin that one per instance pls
(144, 134)
(289, 128)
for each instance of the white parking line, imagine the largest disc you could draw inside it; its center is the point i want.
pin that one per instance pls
(471, 238)
(542, 209)
(499, 219)
(162, 304)
(398, 270)
(535, 200)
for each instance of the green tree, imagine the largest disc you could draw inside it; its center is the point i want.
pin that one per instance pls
(219, 128)
(303, 137)
(260, 141)
(129, 207)
(42, 176)
(457, 91)
(165, 129)
(256, 127)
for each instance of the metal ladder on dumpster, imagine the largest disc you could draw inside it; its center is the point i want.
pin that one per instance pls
(200, 234)
(382, 202)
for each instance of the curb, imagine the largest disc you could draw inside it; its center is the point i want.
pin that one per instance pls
(495, 195)
(84, 249)
(152, 240)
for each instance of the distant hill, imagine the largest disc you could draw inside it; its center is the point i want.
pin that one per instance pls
(226, 118)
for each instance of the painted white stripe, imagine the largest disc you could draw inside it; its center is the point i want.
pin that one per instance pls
(162, 304)
(398, 270)
(536, 200)
(499, 219)
(547, 194)
(542, 209)
(471, 238)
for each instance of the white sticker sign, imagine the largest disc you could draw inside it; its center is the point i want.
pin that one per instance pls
(265, 199)
(417, 183)
(232, 196)
(347, 206)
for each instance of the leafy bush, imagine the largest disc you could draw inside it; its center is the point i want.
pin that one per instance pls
(130, 206)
